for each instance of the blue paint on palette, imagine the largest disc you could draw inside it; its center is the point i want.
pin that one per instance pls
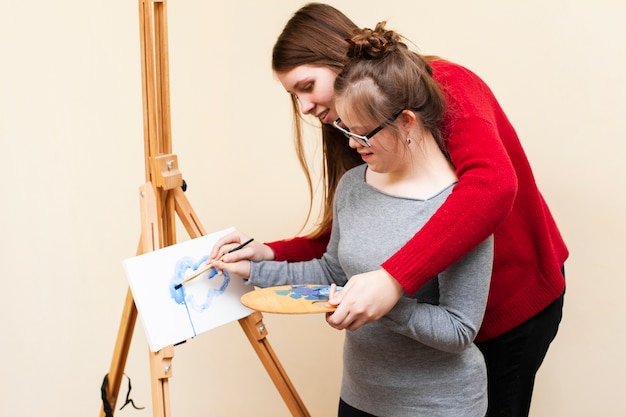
(315, 292)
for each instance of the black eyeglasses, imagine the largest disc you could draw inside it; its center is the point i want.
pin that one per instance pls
(365, 140)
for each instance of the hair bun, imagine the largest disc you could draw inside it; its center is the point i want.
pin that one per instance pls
(373, 43)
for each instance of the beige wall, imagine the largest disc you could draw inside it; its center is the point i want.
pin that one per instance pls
(72, 161)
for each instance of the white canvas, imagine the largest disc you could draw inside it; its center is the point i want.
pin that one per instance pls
(170, 316)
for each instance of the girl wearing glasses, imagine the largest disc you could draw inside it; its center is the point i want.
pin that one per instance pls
(496, 194)
(419, 359)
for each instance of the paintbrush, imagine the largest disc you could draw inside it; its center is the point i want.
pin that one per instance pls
(208, 267)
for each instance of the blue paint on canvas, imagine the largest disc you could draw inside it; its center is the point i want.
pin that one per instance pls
(201, 299)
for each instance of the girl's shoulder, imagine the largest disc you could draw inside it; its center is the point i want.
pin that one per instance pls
(352, 178)
(356, 174)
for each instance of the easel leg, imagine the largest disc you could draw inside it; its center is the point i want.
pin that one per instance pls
(122, 345)
(256, 331)
(160, 372)
(187, 215)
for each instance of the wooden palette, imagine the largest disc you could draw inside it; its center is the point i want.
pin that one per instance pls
(290, 299)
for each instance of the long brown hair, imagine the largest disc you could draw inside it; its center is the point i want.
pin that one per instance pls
(317, 35)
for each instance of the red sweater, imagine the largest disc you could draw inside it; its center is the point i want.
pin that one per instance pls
(496, 194)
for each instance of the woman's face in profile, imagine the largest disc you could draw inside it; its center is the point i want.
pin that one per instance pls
(313, 87)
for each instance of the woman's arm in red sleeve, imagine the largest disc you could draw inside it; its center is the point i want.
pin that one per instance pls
(477, 131)
(480, 201)
(300, 248)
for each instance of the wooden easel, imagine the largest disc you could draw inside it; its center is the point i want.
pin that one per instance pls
(161, 198)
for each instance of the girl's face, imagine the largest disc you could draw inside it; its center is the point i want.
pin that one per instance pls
(386, 153)
(313, 88)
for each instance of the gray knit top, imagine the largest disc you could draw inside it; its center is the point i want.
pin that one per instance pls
(419, 359)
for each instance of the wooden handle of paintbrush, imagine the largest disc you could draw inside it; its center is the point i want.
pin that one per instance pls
(194, 275)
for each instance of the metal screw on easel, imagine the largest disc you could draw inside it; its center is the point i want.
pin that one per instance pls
(262, 329)
(170, 164)
(167, 368)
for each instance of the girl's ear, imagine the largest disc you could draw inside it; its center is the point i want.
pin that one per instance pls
(407, 119)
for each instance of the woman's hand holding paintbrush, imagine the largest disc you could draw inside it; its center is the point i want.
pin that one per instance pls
(255, 251)
(236, 262)
(214, 264)
(230, 255)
